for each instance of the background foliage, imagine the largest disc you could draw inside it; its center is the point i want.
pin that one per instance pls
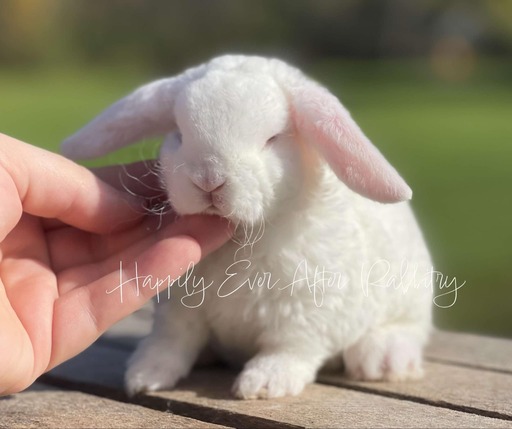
(428, 80)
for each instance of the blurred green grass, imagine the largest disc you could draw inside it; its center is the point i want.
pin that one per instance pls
(450, 140)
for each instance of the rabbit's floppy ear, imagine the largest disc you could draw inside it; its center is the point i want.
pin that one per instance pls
(323, 121)
(147, 112)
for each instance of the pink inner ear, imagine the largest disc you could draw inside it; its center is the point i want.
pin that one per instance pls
(320, 117)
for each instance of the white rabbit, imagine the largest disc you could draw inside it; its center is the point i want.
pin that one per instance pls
(319, 269)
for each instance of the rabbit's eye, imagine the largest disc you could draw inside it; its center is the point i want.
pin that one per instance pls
(272, 139)
(178, 139)
(175, 143)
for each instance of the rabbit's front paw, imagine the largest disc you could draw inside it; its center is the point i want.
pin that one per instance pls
(273, 376)
(389, 355)
(152, 369)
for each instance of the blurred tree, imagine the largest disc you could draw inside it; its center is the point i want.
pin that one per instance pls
(169, 34)
(500, 14)
(26, 27)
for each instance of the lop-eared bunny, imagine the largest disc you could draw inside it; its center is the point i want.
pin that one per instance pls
(319, 269)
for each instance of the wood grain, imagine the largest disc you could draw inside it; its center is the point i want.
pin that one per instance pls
(43, 406)
(480, 391)
(471, 350)
(205, 395)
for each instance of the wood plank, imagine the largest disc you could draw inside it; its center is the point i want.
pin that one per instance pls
(471, 350)
(485, 392)
(325, 406)
(48, 407)
(206, 396)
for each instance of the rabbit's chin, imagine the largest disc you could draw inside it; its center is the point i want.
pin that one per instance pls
(240, 216)
(237, 218)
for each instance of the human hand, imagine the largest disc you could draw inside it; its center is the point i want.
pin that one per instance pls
(63, 233)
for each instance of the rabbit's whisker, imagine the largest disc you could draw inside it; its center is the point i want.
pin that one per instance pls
(136, 179)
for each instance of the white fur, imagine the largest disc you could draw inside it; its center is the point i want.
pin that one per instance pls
(247, 139)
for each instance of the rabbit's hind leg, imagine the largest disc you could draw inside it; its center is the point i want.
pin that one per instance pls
(388, 353)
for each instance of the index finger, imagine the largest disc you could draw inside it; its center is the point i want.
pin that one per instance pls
(51, 186)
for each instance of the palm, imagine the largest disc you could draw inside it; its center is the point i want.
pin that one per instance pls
(39, 268)
(28, 291)
(54, 280)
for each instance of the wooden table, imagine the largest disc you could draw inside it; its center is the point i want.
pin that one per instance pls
(468, 384)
